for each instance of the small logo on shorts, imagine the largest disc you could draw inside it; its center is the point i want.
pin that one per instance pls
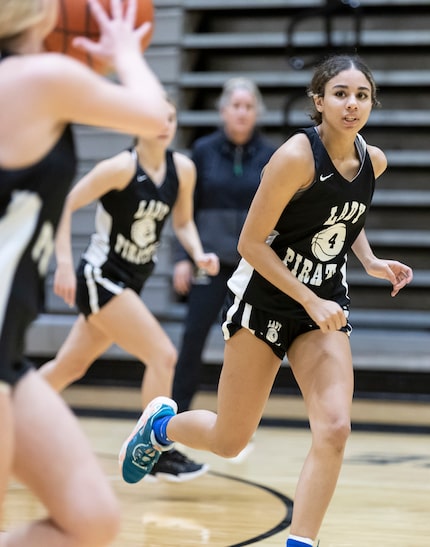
(273, 328)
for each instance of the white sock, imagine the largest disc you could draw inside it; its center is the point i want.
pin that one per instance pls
(297, 541)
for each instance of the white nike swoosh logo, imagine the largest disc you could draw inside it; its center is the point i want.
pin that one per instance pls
(323, 178)
(141, 178)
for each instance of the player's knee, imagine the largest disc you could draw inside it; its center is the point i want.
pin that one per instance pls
(71, 366)
(336, 432)
(169, 357)
(76, 370)
(229, 447)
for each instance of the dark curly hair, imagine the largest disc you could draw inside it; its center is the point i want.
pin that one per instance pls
(330, 67)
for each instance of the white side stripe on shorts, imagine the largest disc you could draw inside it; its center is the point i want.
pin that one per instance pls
(93, 276)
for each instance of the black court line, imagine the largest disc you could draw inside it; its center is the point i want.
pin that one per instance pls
(287, 502)
(282, 525)
(377, 427)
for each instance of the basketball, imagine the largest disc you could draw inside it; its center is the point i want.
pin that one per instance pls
(75, 19)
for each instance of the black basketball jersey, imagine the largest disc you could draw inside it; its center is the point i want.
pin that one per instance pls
(31, 201)
(129, 224)
(314, 233)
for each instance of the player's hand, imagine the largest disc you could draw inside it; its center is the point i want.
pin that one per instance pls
(65, 284)
(327, 314)
(117, 33)
(398, 274)
(182, 276)
(209, 262)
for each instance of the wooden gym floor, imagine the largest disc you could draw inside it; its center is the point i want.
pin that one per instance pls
(382, 498)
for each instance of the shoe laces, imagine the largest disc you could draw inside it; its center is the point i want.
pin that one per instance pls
(145, 456)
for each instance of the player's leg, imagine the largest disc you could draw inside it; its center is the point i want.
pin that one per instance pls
(242, 394)
(133, 327)
(322, 366)
(54, 459)
(247, 377)
(83, 345)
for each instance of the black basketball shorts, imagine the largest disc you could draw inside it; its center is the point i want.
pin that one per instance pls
(277, 332)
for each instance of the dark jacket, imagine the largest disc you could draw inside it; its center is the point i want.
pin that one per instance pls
(227, 179)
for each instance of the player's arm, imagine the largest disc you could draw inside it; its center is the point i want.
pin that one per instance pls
(113, 173)
(71, 92)
(289, 169)
(398, 274)
(379, 160)
(182, 216)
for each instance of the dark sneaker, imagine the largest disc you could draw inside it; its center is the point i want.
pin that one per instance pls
(173, 466)
(140, 452)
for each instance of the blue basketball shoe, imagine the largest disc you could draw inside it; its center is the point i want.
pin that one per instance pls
(140, 451)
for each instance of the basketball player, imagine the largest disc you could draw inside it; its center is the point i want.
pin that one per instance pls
(289, 296)
(136, 192)
(41, 442)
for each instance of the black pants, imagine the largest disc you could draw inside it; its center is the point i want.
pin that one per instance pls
(204, 305)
